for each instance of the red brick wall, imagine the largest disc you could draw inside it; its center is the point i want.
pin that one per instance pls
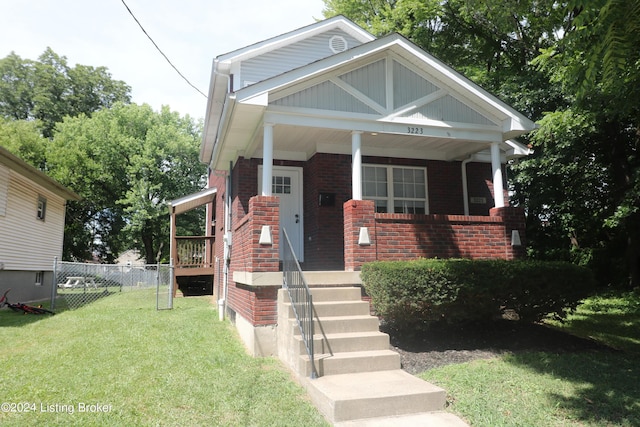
(357, 214)
(404, 237)
(323, 225)
(256, 304)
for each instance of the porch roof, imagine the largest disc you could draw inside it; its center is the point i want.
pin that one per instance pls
(192, 201)
(405, 102)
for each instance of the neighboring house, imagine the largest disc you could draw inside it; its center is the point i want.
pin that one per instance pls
(130, 257)
(32, 212)
(371, 149)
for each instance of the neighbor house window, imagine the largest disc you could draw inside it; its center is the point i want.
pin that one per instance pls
(42, 208)
(39, 278)
(395, 189)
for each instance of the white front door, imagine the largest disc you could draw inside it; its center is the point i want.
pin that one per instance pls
(287, 185)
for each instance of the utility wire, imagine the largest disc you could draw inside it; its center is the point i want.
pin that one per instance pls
(160, 50)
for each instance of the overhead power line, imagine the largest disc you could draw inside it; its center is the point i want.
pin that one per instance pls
(160, 50)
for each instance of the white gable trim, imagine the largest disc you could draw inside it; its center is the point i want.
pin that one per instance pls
(339, 22)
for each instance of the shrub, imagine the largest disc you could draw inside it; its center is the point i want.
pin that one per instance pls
(406, 293)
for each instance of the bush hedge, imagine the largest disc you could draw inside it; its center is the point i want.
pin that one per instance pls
(456, 290)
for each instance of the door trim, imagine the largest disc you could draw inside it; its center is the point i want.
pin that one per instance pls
(300, 201)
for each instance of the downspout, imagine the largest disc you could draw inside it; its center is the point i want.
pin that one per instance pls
(465, 189)
(227, 245)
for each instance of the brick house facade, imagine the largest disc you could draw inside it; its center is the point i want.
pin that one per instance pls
(374, 151)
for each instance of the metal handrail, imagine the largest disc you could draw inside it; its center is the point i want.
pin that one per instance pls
(300, 296)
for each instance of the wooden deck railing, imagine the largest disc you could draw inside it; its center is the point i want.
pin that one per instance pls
(194, 252)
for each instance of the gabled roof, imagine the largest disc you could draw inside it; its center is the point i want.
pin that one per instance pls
(336, 22)
(221, 70)
(23, 168)
(291, 99)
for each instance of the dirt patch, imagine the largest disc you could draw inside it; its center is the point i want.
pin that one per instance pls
(447, 344)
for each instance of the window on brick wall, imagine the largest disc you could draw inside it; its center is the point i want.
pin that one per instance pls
(395, 189)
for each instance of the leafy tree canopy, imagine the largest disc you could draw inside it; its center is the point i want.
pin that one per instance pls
(128, 162)
(49, 89)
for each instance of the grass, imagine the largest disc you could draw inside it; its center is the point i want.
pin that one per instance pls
(595, 388)
(144, 367)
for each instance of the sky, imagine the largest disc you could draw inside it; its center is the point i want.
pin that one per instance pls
(191, 33)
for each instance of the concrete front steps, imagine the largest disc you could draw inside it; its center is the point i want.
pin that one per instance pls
(360, 382)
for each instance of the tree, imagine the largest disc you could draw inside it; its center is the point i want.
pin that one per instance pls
(49, 89)
(597, 60)
(127, 162)
(23, 139)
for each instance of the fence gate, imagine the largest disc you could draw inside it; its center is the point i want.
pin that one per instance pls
(77, 284)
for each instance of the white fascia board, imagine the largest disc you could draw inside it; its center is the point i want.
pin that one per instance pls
(515, 149)
(221, 130)
(293, 36)
(218, 89)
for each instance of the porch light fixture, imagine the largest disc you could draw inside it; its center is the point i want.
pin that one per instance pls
(265, 235)
(363, 238)
(515, 238)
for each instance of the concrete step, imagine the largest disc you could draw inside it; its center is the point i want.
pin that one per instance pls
(373, 394)
(425, 419)
(347, 341)
(332, 293)
(340, 324)
(352, 362)
(336, 308)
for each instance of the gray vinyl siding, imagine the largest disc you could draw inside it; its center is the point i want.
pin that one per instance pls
(325, 96)
(26, 242)
(409, 86)
(449, 109)
(370, 81)
(290, 57)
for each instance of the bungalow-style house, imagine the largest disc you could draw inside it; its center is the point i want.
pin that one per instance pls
(362, 149)
(32, 212)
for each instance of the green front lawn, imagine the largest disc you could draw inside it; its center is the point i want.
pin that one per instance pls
(594, 388)
(119, 362)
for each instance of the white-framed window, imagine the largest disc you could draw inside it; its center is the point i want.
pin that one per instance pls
(39, 278)
(42, 208)
(396, 189)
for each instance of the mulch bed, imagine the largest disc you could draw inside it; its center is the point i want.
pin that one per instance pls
(449, 344)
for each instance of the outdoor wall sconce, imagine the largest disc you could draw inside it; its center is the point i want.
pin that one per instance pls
(515, 238)
(363, 238)
(265, 235)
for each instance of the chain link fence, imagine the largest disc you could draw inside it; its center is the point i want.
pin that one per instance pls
(78, 284)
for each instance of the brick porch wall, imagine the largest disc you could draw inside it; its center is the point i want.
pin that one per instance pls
(256, 304)
(404, 237)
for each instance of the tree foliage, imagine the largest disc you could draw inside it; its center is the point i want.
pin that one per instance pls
(49, 89)
(128, 162)
(574, 67)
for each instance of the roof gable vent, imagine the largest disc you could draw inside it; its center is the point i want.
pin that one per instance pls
(338, 44)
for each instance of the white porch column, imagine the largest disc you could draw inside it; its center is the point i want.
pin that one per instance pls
(498, 188)
(267, 159)
(356, 172)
